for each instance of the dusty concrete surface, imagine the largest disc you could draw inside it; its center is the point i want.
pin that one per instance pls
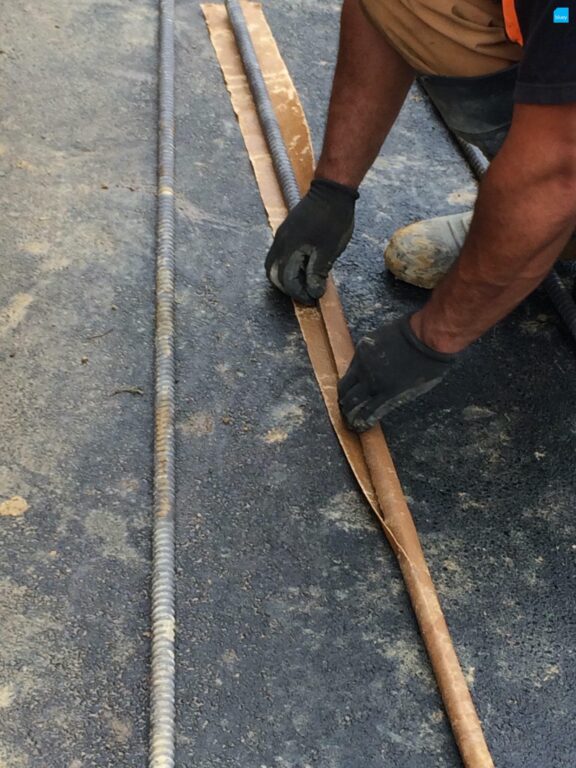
(296, 642)
(77, 150)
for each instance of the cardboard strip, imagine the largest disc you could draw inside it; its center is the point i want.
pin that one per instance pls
(297, 138)
(330, 348)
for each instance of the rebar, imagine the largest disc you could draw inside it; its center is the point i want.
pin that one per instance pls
(278, 152)
(162, 718)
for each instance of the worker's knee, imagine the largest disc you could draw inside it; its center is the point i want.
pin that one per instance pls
(477, 109)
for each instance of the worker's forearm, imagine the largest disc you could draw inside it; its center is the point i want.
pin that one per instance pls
(370, 84)
(525, 214)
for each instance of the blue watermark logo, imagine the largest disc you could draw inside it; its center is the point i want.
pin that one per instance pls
(561, 15)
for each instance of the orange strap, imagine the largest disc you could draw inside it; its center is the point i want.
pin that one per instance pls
(513, 29)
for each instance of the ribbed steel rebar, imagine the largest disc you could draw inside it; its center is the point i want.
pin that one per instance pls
(557, 292)
(280, 158)
(162, 719)
(473, 156)
(562, 299)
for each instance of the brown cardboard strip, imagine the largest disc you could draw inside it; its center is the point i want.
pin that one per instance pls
(330, 348)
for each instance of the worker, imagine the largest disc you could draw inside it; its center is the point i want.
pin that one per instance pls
(503, 76)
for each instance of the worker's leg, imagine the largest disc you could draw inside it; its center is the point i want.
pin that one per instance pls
(467, 65)
(370, 85)
(524, 216)
(479, 110)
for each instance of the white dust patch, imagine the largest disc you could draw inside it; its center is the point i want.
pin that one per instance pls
(396, 163)
(24, 165)
(467, 502)
(540, 324)
(14, 507)
(7, 695)
(112, 531)
(275, 435)
(514, 664)
(12, 760)
(286, 417)
(30, 637)
(550, 672)
(198, 424)
(476, 413)
(230, 657)
(36, 247)
(408, 660)
(463, 196)
(452, 578)
(406, 656)
(470, 676)
(349, 512)
(120, 729)
(13, 314)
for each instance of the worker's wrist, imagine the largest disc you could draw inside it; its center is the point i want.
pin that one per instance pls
(334, 188)
(432, 333)
(337, 173)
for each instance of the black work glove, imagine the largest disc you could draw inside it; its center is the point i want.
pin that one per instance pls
(390, 367)
(310, 240)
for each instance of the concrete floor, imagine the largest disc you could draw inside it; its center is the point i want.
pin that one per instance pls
(296, 643)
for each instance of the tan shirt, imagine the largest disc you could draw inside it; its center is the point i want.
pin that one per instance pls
(457, 38)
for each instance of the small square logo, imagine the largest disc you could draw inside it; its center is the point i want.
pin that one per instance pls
(561, 15)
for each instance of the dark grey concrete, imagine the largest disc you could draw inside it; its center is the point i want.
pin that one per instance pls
(296, 644)
(77, 135)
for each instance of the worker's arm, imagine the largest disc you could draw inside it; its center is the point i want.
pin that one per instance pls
(525, 214)
(370, 84)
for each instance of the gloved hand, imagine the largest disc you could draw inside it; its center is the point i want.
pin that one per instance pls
(390, 367)
(310, 240)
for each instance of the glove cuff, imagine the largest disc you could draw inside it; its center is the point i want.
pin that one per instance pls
(424, 349)
(329, 185)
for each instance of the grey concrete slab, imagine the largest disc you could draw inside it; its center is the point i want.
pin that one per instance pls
(296, 644)
(77, 136)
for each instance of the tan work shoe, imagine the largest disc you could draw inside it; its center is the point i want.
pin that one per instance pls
(423, 252)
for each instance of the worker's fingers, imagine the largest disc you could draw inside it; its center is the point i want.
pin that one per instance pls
(292, 277)
(365, 415)
(354, 398)
(275, 260)
(348, 381)
(274, 253)
(360, 408)
(360, 411)
(315, 276)
(272, 263)
(272, 273)
(358, 402)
